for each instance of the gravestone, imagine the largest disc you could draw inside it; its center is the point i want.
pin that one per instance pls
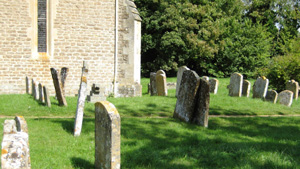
(285, 97)
(32, 87)
(58, 89)
(47, 97)
(15, 144)
(205, 78)
(260, 87)
(36, 90)
(202, 104)
(271, 96)
(107, 136)
(246, 88)
(153, 89)
(27, 85)
(81, 100)
(63, 76)
(293, 86)
(235, 86)
(213, 85)
(161, 83)
(185, 104)
(95, 95)
(41, 93)
(179, 77)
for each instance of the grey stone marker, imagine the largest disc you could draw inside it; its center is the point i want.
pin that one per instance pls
(47, 96)
(293, 86)
(271, 96)
(36, 90)
(32, 87)
(260, 87)
(63, 77)
(285, 97)
(15, 144)
(179, 77)
(95, 95)
(235, 86)
(153, 89)
(202, 104)
(185, 104)
(58, 89)
(41, 93)
(246, 88)
(161, 84)
(27, 85)
(205, 78)
(213, 85)
(81, 100)
(107, 136)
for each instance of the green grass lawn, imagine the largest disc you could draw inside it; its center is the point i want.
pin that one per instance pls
(151, 138)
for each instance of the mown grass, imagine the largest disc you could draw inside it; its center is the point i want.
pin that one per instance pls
(151, 138)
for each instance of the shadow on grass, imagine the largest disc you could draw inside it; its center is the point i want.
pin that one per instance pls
(150, 109)
(88, 125)
(81, 163)
(218, 111)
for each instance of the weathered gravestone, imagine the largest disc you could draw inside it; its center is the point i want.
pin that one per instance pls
(202, 104)
(81, 100)
(161, 83)
(185, 104)
(15, 145)
(285, 97)
(179, 77)
(107, 136)
(153, 89)
(95, 95)
(36, 90)
(213, 85)
(235, 86)
(260, 87)
(27, 85)
(32, 87)
(246, 88)
(47, 96)
(271, 96)
(58, 88)
(63, 75)
(293, 86)
(41, 93)
(205, 78)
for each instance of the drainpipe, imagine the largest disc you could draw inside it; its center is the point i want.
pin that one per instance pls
(116, 48)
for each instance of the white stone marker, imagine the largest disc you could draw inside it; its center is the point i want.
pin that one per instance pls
(285, 97)
(161, 83)
(235, 86)
(179, 77)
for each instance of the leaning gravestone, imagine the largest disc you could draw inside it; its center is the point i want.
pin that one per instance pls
(15, 144)
(81, 100)
(153, 89)
(260, 87)
(235, 86)
(285, 97)
(46, 96)
(213, 85)
(179, 77)
(36, 90)
(202, 104)
(41, 93)
(58, 88)
(293, 86)
(161, 83)
(107, 136)
(27, 85)
(271, 96)
(246, 88)
(185, 104)
(63, 76)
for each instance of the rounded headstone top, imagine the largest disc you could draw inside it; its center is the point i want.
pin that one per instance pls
(161, 72)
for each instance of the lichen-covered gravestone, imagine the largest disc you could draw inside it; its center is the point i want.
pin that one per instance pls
(179, 77)
(27, 85)
(161, 83)
(202, 104)
(185, 104)
(293, 86)
(41, 93)
(246, 88)
(235, 86)
(47, 96)
(213, 85)
(260, 87)
(271, 96)
(15, 144)
(107, 136)
(81, 100)
(58, 88)
(285, 98)
(153, 89)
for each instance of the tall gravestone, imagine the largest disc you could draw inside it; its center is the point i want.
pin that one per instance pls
(63, 75)
(27, 85)
(260, 87)
(41, 93)
(202, 104)
(246, 88)
(185, 104)
(161, 83)
(36, 90)
(235, 86)
(213, 85)
(107, 136)
(271, 96)
(293, 86)
(58, 88)
(285, 98)
(81, 100)
(153, 89)
(47, 96)
(32, 87)
(179, 77)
